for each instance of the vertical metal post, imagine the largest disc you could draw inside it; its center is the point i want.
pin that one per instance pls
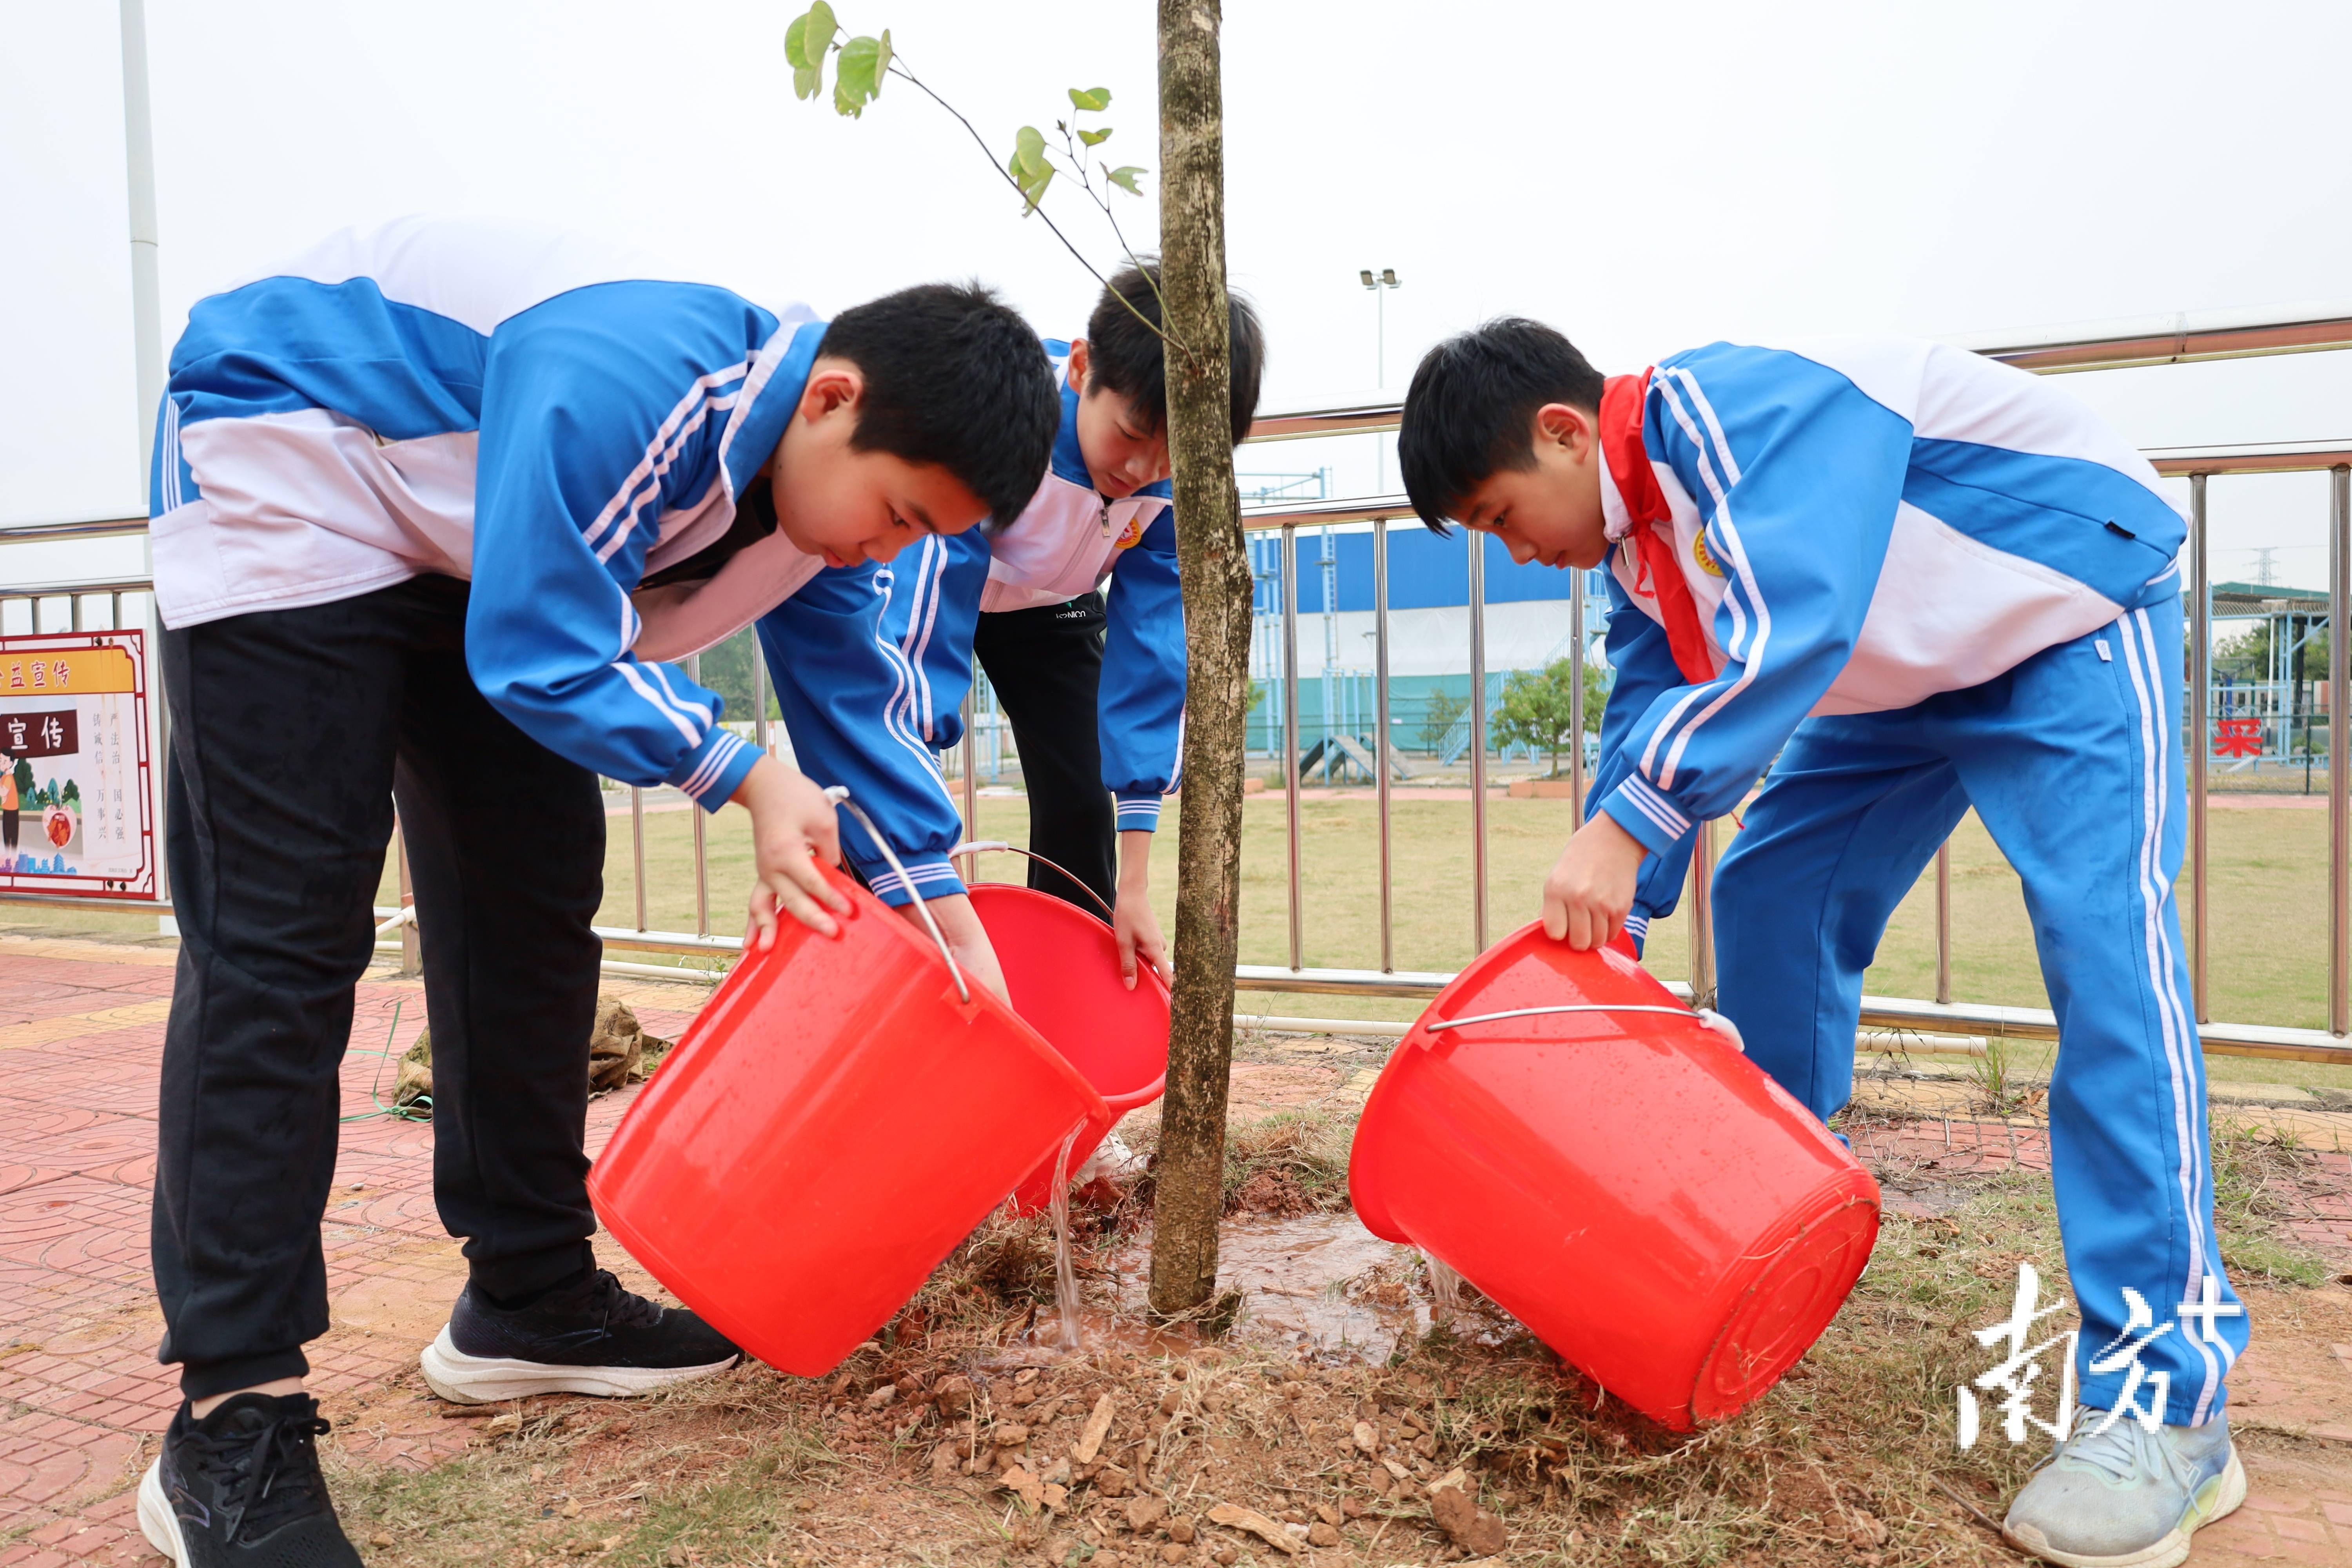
(1701, 915)
(146, 308)
(1380, 719)
(1576, 695)
(701, 864)
(411, 952)
(1944, 922)
(1290, 727)
(76, 602)
(637, 847)
(759, 695)
(1477, 739)
(971, 753)
(115, 613)
(2200, 737)
(2339, 788)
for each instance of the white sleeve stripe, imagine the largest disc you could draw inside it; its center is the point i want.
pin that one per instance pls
(647, 492)
(715, 762)
(683, 726)
(1660, 808)
(660, 452)
(1719, 488)
(931, 576)
(1648, 810)
(171, 455)
(893, 720)
(763, 365)
(683, 705)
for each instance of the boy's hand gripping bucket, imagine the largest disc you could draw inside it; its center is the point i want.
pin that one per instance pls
(834, 1120)
(1616, 1176)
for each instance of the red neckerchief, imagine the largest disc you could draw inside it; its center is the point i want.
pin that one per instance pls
(1622, 398)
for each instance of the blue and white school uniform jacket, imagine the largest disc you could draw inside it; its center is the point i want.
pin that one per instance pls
(916, 671)
(543, 416)
(1862, 524)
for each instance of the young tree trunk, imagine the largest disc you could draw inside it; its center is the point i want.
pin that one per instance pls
(1216, 578)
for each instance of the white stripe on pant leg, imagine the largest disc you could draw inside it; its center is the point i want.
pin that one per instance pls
(2152, 798)
(2201, 1188)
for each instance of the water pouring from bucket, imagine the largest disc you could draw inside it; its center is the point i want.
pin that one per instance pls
(1602, 1163)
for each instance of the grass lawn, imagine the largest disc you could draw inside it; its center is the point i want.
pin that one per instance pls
(2269, 963)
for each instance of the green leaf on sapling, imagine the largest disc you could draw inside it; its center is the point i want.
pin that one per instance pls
(1124, 178)
(1094, 138)
(857, 84)
(810, 35)
(1094, 99)
(881, 60)
(806, 81)
(1029, 153)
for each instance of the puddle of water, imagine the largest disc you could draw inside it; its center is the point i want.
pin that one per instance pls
(1321, 1283)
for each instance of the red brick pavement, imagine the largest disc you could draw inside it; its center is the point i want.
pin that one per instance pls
(82, 1394)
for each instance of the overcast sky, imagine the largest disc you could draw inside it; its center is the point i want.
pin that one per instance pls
(1644, 177)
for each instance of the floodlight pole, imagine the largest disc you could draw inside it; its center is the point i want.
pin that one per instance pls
(1379, 284)
(147, 354)
(146, 308)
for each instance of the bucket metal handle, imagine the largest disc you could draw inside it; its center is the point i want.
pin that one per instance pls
(1707, 1016)
(839, 795)
(983, 845)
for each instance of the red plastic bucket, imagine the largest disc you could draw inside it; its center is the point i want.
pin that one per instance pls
(1626, 1184)
(831, 1125)
(1061, 966)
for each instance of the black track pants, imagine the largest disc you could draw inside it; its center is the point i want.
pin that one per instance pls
(1046, 666)
(291, 732)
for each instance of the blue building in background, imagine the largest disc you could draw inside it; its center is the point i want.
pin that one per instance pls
(1527, 627)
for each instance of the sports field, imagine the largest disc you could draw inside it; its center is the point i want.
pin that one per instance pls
(2269, 963)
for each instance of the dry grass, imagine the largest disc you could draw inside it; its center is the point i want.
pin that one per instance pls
(896, 1459)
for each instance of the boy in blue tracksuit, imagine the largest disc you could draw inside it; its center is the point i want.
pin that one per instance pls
(1093, 683)
(1926, 582)
(433, 505)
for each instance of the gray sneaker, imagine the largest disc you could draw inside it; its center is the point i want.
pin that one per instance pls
(2126, 1497)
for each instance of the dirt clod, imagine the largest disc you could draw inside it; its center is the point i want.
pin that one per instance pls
(1469, 1526)
(953, 1396)
(1321, 1534)
(1143, 1513)
(1251, 1521)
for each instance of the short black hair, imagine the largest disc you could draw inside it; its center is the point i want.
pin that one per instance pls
(1473, 400)
(1127, 357)
(954, 377)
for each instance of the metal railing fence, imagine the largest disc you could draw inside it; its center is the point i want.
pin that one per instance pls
(2156, 341)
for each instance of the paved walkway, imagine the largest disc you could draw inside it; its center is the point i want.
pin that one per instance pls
(82, 1398)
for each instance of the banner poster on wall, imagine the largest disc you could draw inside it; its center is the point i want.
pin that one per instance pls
(76, 808)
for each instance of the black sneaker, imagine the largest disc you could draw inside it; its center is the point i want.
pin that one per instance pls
(587, 1337)
(242, 1487)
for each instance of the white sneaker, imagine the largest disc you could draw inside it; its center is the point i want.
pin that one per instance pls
(2126, 1497)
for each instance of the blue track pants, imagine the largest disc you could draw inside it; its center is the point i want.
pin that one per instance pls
(2072, 762)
